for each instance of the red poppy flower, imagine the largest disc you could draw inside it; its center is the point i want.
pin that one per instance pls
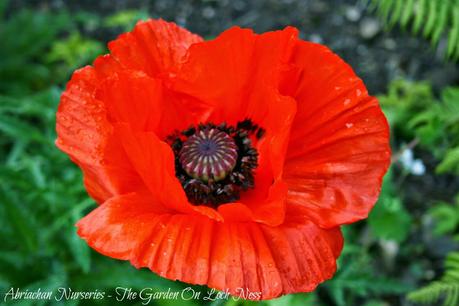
(231, 162)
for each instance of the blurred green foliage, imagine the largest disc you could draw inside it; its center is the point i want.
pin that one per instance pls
(389, 219)
(125, 19)
(433, 19)
(74, 51)
(446, 218)
(447, 288)
(357, 277)
(42, 195)
(415, 113)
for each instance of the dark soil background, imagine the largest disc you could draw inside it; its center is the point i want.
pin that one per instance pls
(348, 27)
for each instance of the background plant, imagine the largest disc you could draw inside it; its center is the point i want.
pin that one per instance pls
(432, 19)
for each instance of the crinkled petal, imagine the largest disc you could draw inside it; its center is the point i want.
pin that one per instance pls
(120, 224)
(227, 71)
(265, 261)
(339, 144)
(88, 107)
(153, 159)
(145, 104)
(134, 98)
(155, 47)
(87, 137)
(237, 76)
(267, 200)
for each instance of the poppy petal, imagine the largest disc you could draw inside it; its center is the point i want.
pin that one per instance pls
(153, 159)
(305, 255)
(87, 137)
(238, 257)
(119, 224)
(146, 110)
(339, 144)
(267, 200)
(242, 82)
(156, 47)
(226, 71)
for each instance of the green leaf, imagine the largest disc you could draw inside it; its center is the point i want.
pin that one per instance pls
(75, 50)
(431, 18)
(385, 8)
(450, 162)
(441, 22)
(447, 288)
(23, 70)
(453, 35)
(125, 19)
(446, 218)
(22, 223)
(78, 247)
(407, 12)
(396, 13)
(18, 129)
(419, 18)
(389, 220)
(299, 299)
(3, 6)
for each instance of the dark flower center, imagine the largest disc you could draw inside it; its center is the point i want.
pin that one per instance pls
(209, 154)
(216, 163)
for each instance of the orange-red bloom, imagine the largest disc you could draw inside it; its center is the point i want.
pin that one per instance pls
(300, 149)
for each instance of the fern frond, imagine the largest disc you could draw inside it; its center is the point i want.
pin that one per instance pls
(447, 288)
(432, 19)
(453, 36)
(432, 293)
(441, 23)
(396, 13)
(421, 10)
(407, 13)
(452, 267)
